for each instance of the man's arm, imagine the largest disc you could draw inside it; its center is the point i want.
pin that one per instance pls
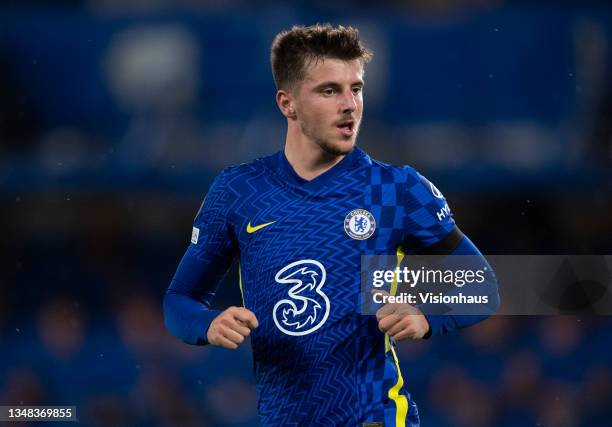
(462, 253)
(402, 321)
(187, 302)
(430, 230)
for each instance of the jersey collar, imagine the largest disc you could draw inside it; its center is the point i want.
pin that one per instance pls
(284, 168)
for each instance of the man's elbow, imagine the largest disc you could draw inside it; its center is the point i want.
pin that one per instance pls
(178, 317)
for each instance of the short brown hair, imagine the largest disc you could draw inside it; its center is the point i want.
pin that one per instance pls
(294, 50)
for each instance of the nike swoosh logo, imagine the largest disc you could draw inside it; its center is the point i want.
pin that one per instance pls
(251, 229)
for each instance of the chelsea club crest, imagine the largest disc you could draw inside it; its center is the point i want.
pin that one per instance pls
(359, 224)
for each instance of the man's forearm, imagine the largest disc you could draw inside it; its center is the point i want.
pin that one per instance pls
(444, 323)
(187, 318)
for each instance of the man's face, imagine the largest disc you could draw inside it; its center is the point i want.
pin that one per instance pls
(329, 104)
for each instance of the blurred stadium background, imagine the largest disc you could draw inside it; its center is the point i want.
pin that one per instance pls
(115, 115)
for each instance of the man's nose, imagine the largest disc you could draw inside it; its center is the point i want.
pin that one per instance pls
(348, 103)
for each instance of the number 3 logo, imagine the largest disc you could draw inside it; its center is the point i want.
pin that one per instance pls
(307, 307)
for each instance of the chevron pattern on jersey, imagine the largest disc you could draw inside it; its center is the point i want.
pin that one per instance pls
(339, 374)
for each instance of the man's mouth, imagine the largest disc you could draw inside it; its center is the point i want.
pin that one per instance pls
(346, 127)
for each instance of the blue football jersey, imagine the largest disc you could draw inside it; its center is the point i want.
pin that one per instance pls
(318, 361)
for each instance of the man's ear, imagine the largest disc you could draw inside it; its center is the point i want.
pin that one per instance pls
(285, 102)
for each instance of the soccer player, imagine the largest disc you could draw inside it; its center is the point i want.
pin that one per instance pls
(299, 221)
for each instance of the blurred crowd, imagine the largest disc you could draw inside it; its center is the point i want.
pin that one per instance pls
(112, 126)
(121, 368)
(81, 324)
(141, 93)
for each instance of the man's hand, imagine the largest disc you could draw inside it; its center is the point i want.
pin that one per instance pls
(401, 321)
(231, 327)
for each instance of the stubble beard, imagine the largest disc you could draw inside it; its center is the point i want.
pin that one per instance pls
(328, 146)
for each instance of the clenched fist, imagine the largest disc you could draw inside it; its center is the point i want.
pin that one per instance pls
(231, 327)
(401, 321)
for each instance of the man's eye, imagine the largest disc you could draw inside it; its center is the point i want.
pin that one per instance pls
(329, 91)
(357, 90)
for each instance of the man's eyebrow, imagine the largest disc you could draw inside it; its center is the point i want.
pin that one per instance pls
(336, 84)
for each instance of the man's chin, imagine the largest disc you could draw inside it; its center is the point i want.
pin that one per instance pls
(338, 148)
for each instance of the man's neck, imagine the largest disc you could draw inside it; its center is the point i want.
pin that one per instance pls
(308, 159)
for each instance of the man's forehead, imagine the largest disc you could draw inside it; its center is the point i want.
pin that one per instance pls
(334, 70)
